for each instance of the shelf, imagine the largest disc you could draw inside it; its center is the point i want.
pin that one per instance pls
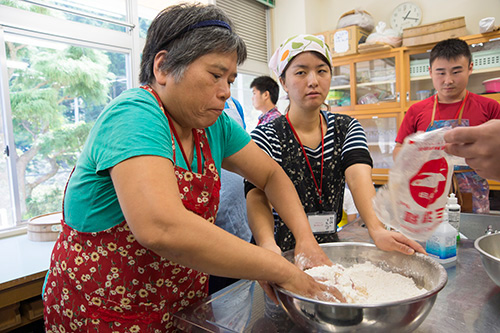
(420, 78)
(474, 71)
(345, 86)
(375, 83)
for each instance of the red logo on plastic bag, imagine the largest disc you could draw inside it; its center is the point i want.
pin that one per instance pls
(429, 183)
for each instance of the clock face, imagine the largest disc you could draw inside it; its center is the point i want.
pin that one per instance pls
(406, 15)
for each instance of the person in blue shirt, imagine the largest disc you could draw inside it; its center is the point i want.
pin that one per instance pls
(232, 214)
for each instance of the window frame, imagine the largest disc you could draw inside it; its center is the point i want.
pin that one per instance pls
(39, 26)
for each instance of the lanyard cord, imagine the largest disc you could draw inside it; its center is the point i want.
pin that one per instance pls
(173, 130)
(319, 188)
(457, 115)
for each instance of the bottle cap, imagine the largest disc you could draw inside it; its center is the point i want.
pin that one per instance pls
(452, 200)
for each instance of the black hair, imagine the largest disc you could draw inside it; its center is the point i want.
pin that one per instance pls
(266, 83)
(450, 49)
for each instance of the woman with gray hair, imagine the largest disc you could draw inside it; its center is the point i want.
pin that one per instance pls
(138, 237)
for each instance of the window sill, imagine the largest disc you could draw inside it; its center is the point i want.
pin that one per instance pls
(15, 231)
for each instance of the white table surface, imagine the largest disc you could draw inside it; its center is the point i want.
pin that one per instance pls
(21, 257)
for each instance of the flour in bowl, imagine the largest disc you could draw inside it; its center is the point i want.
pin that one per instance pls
(366, 283)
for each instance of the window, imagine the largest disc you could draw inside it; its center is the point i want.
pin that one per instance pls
(242, 92)
(56, 93)
(55, 81)
(110, 14)
(250, 19)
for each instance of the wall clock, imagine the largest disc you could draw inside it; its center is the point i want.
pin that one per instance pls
(406, 15)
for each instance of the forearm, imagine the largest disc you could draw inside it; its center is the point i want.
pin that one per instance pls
(269, 177)
(210, 249)
(359, 180)
(285, 200)
(260, 217)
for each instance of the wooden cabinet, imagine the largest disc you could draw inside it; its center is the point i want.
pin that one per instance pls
(485, 51)
(21, 301)
(364, 83)
(377, 88)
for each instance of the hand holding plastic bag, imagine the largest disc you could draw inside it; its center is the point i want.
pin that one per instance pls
(414, 198)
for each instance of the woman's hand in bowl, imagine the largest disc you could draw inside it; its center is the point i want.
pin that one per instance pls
(305, 285)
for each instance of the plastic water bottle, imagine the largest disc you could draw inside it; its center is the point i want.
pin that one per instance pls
(453, 209)
(442, 245)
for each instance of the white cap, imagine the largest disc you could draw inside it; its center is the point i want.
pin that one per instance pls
(452, 200)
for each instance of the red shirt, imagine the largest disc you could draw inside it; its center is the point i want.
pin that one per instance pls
(478, 109)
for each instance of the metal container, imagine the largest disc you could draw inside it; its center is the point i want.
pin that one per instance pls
(489, 248)
(399, 316)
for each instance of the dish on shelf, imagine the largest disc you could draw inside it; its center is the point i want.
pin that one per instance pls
(492, 85)
(339, 80)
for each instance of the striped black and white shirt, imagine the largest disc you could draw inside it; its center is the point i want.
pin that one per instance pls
(345, 145)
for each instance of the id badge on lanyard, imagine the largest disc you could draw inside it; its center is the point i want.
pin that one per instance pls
(323, 223)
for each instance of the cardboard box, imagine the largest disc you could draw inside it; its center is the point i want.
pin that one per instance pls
(434, 32)
(345, 41)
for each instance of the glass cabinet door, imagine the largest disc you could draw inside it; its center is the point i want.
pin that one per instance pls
(486, 68)
(381, 134)
(376, 81)
(340, 87)
(485, 77)
(420, 81)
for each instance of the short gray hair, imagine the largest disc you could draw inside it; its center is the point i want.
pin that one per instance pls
(170, 31)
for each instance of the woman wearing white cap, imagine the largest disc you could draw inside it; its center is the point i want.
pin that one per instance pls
(319, 151)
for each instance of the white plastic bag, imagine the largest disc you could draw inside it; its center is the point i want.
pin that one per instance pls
(414, 198)
(486, 24)
(384, 35)
(357, 17)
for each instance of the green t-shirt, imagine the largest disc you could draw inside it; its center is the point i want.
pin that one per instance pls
(131, 125)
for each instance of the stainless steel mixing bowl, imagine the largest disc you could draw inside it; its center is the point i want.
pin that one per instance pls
(400, 316)
(489, 248)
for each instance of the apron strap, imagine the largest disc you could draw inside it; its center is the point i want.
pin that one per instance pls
(459, 113)
(434, 109)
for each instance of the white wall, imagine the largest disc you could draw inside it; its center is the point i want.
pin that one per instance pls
(291, 17)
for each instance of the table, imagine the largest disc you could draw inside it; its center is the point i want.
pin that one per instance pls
(470, 301)
(24, 264)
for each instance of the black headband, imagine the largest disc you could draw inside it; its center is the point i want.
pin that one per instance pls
(207, 23)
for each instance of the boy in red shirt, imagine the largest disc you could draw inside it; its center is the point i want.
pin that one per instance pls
(450, 68)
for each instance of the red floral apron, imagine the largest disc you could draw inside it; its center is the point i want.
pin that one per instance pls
(107, 282)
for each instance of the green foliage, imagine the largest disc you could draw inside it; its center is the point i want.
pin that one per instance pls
(46, 136)
(65, 142)
(48, 202)
(35, 111)
(42, 97)
(25, 6)
(37, 93)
